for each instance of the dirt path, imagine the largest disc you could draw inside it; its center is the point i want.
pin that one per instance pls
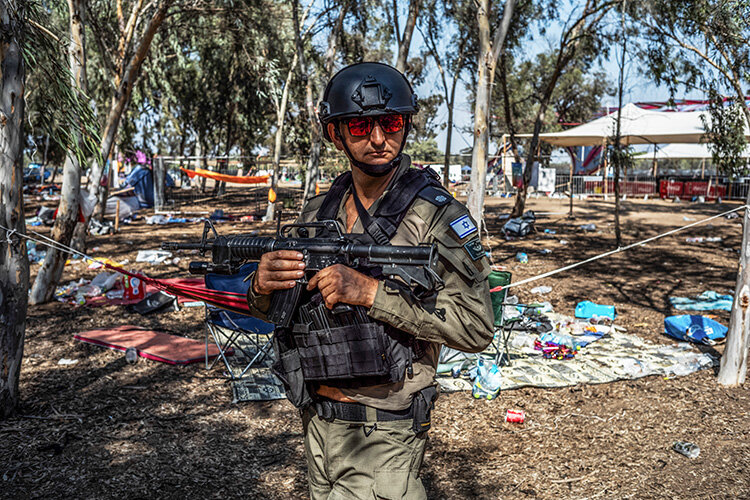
(102, 428)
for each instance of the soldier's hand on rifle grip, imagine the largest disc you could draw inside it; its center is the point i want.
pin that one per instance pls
(278, 271)
(342, 284)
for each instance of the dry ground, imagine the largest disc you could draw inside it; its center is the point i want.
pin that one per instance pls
(103, 428)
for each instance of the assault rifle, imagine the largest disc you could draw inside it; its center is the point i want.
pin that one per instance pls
(414, 265)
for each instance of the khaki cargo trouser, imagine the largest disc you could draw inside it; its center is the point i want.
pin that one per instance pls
(347, 460)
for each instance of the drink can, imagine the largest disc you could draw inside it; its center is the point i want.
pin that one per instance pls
(131, 355)
(515, 416)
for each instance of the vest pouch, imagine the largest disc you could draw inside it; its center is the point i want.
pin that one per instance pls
(288, 369)
(343, 352)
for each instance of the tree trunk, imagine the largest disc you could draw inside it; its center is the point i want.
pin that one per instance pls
(619, 156)
(475, 201)
(487, 60)
(734, 361)
(316, 137)
(448, 140)
(405, 42)
(14, 263)
(278, 140)
(508, 110)
(70, 196)
(119, 103)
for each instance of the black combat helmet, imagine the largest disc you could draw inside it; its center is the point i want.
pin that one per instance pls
(366, 89)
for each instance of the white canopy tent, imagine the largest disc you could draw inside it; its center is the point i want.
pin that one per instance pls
(638, 126)
(685, 151)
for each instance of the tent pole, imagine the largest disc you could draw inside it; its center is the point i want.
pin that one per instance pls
(703, 168)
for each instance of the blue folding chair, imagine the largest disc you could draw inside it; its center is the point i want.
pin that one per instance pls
(247, 336)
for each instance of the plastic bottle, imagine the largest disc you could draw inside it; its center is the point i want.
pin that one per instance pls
(488, 381)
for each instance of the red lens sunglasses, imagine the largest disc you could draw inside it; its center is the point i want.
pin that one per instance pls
(361, 126)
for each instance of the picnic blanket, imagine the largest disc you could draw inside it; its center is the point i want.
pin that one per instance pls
(616, 356)
(706, 301)
(157, 346)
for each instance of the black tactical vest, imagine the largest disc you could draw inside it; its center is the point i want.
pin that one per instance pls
(348, 348)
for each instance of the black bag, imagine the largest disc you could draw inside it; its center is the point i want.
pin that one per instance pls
(520, 226)
(156, 302)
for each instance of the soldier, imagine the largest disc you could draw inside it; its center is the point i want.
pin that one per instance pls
(365, 427)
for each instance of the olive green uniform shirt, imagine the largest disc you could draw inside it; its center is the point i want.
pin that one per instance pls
(459, 316)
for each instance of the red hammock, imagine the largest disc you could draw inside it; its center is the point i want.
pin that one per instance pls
(231, 301)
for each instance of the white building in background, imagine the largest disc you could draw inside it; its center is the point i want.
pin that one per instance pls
(454, 171)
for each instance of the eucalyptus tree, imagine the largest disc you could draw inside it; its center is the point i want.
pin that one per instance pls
(489, 52)
(403, 37)
(14, 264)
(583, 40)
(27, 46)
(706, 43)
(123, 33)
(335, 33)
(67, 212)
(449, 55)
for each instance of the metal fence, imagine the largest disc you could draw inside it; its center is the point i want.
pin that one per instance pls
(596, 185)
(664, 187)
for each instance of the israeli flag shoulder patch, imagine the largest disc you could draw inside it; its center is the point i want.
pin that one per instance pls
(463, 226)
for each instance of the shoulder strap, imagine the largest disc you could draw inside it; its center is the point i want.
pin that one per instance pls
(413, 183)
(330, 206)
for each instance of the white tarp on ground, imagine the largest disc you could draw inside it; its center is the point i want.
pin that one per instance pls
(685, 151)
(638, 126)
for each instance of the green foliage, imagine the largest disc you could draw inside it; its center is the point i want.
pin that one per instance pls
(424, 151)
(575, 99)
(727, 131)
(55, 106)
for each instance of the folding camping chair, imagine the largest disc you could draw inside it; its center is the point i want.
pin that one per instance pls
(235, 333)
(504, 325)
(502, 334)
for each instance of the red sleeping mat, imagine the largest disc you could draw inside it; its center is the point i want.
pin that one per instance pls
(158, 346)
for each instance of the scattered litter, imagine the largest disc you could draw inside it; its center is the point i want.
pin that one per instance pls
(522, 257)
(687, 219)
(541, 289)
(587, 309)
(488, 380)
(587, 227)
(694, 328)
(703, 239)
(131, 355)
(99, 262)
(35, 254)
(515, 416)
(520, 226)
(155, 303)
(733, 215)
(545, 251)
(550, 231)
(100, 228)
(105, 281)
(563, 242)
(153, 256)
(706, 301)
(168, 219)
(690, 450)
(67, 361)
